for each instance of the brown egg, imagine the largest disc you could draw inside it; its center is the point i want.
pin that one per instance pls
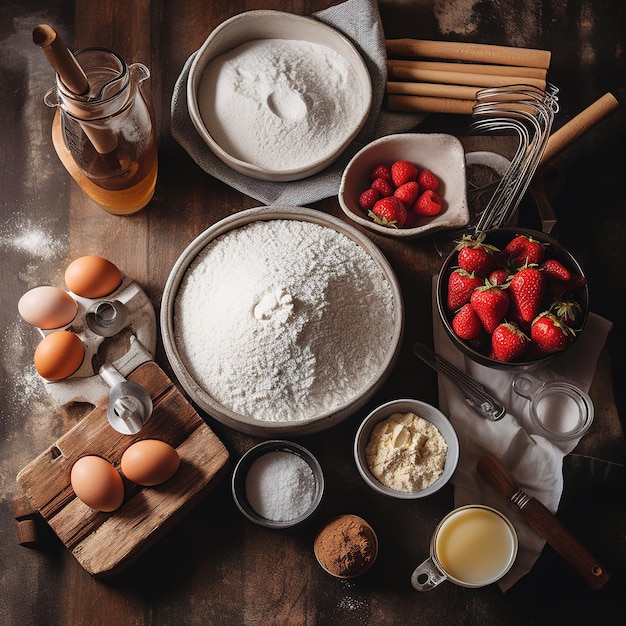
(47, 307)
(92, 277)
(150, 462)
(59, 355)
(97, 483)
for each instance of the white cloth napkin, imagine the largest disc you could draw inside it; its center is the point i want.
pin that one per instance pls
(534, 461)
(359, 21)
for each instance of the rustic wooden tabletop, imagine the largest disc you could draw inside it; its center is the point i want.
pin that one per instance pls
(214, 566)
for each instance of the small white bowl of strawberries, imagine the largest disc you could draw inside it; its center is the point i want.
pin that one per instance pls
(512, 297)
(407, 185)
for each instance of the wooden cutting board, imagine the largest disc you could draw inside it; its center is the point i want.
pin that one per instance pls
(106, 543)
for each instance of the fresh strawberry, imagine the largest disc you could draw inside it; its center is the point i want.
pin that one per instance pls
(526, 291)
(499, 276)
(461, 284)
(567, 311)
(476, 256)
(466, 323)
(382, 186)
(549, 335)
(508, 342)
(381, 171)
(389, 212)
(491, 303)
(407, 193)
(402, 172)
(555, 270)
(368, 199)
(428, 204)
(524, 250)
(559, 289)
(427, 180)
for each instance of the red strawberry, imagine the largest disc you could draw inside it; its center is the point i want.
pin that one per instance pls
(461, 284)
(560, 288)
(526, 290)
(555, 270)
(524, 250)
(550, 335)
(389, 212)
(427, 180)
(491, 303)
(381, 171)
(567, 311)
(428, 204)
(508, 342)
(476, 256)
(466, 323)
(407, 193)
(402, 172)
(382, 186)
(499, 276)
(368, 199)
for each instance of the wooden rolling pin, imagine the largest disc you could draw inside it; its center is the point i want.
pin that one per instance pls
(544, 522)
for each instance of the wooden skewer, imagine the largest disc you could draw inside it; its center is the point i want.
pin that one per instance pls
(473, 52)
(435, 90)
(462, 78)
(61, 59)
(469, 68)
(425, 104)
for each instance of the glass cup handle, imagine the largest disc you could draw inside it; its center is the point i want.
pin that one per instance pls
(427, 576)
(525, 386)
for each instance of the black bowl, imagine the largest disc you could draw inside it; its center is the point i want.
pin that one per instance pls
(499, 237)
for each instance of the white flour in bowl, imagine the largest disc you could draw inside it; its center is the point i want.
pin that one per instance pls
(279, 104)
(284, 320)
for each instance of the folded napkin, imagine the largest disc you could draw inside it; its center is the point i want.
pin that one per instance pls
(534, 461)
(359, 21)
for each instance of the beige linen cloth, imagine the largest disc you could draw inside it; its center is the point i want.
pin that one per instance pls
(534, 461)
(359, 21)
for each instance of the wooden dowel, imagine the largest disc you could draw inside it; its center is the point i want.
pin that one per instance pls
(61, 59)
(424, 104)
(473, 52)
(468, 68)
(461, 78)
(434, 90)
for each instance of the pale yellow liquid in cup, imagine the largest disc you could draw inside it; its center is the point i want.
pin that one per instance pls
(475, 546)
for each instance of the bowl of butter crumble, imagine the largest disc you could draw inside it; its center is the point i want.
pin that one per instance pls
(406, 449)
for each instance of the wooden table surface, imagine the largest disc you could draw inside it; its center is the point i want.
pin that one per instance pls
(215, 567)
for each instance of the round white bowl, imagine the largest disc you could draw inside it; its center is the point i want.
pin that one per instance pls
(439, 153)
(421, 409)
(266, 24)
(246, 423)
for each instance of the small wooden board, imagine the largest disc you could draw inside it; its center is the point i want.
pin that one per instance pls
(105, 543)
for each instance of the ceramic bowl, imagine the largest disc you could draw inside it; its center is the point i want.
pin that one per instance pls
(240, 475)
(440, 153)
(423, 410)
(500, 237)
(266, 24)
(320, 420)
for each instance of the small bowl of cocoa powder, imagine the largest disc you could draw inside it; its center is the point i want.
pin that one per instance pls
(346, 546)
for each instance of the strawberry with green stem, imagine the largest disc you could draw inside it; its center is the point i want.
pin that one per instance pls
(491, 303)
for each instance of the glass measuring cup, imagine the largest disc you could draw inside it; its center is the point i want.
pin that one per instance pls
(106, 137)
(559, 410)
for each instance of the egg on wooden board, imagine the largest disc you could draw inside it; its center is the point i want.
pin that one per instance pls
(150, 462)
(47, 307)
(59, 355)
(97, 483)
(92, 277)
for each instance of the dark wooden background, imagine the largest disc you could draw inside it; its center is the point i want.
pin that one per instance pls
(215, 567)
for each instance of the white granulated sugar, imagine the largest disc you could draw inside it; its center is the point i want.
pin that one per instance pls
(279, 103)
(284, 320)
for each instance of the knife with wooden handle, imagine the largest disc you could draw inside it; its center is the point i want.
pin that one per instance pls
(544, 522)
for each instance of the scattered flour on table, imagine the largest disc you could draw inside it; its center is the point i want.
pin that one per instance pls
(283, 320)
(279, 103)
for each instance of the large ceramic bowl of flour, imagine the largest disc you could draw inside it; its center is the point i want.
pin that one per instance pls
(281, 321)
(278, 96)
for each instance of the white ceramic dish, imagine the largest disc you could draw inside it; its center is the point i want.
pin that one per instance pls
(266, 24)
(440, 153)
(421, 409)
(249, 424)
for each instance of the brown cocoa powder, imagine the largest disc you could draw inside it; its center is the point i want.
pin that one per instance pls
(346, 546)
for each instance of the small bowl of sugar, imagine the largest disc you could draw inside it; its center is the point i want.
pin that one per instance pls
(278, 484)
